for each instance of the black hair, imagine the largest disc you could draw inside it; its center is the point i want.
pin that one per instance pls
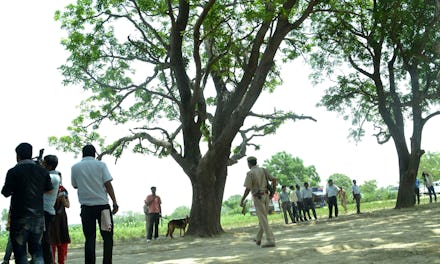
(24, 151)
(89, 151)
(51, 161)
(252, 162)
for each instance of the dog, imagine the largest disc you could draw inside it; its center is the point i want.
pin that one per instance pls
(177, 223)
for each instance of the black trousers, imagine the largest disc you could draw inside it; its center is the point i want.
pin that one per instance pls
(153, 223)
(89, 216)
(332, 203)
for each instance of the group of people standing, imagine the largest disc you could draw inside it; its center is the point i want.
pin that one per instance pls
(38, 221)
(296, 204)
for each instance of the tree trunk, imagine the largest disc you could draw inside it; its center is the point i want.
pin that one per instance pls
(208, 186)
(408, 168)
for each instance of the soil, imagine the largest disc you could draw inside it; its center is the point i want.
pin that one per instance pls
(384, 236)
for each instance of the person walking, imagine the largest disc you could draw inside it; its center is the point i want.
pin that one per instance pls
(427, 179)
(356, 196)
(300, 203)
(153, 203)
(286, 205)
(331, 192)
(309, 204)
(59, 235)
(26, 183)
(256, 183)
(50, 162)
(92, 180)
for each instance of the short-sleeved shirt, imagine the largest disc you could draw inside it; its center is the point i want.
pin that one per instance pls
(307, 193)
(355, 189)
(299, 195)
(428, 180)
(50, 198)
(256, 179)
(332, 190)
(284, 197)
(89, 176)
(154, 207)
(26, 182)
(293, 197)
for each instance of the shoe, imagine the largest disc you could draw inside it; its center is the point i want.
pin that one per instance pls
(268, 245)
(258, 242)
(148, 240)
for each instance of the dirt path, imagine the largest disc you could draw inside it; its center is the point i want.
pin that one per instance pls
(385, 236)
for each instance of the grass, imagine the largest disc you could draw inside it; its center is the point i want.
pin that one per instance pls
(135, 229)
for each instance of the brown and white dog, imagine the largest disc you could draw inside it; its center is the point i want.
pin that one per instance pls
(177, 223)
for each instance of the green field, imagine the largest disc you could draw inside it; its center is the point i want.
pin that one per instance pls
(129, 228)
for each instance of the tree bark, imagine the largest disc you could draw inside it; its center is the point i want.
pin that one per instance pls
(208, 185)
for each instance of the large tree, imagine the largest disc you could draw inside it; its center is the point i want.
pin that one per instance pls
(291, 170)
(390, 57)
(179, 79)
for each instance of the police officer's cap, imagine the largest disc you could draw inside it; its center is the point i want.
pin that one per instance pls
(251, 158)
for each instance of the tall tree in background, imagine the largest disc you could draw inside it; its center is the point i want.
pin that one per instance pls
(393, 53)
(290, 170)
(183, 76)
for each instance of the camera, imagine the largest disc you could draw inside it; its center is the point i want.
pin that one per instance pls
(39, 159)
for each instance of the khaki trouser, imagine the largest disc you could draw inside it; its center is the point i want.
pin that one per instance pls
(261, 209)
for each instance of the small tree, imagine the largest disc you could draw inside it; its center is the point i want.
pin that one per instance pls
(341, 180)
(290, 170)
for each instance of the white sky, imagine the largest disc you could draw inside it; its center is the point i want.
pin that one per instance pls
(35, 105)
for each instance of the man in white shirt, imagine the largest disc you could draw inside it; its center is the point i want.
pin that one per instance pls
(50, 162)
(331, 192)
(356, 196)
(309, 204)
(93, 180)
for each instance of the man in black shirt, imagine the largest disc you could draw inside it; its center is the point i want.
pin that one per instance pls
(26, 183)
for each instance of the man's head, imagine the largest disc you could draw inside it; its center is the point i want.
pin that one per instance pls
(24, 151)
(50, 162)
(88, 151)
(297, 186)
(354, 182)
(153, 190)
(330, 182)
(291, 187)
(283, 188)
(252, 161)
(306, 185)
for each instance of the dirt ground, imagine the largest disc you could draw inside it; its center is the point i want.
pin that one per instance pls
(385, 236)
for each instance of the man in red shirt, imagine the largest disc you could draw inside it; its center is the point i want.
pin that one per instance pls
(153, 203)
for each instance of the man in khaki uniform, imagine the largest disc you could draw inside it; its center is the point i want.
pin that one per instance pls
(256, 184)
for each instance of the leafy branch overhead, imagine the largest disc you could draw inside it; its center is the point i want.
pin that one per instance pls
(175, 73)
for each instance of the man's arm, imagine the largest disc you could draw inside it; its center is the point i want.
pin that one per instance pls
(245, 194)
(109, 187)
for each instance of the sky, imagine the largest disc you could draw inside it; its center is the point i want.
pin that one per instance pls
(35, 105)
